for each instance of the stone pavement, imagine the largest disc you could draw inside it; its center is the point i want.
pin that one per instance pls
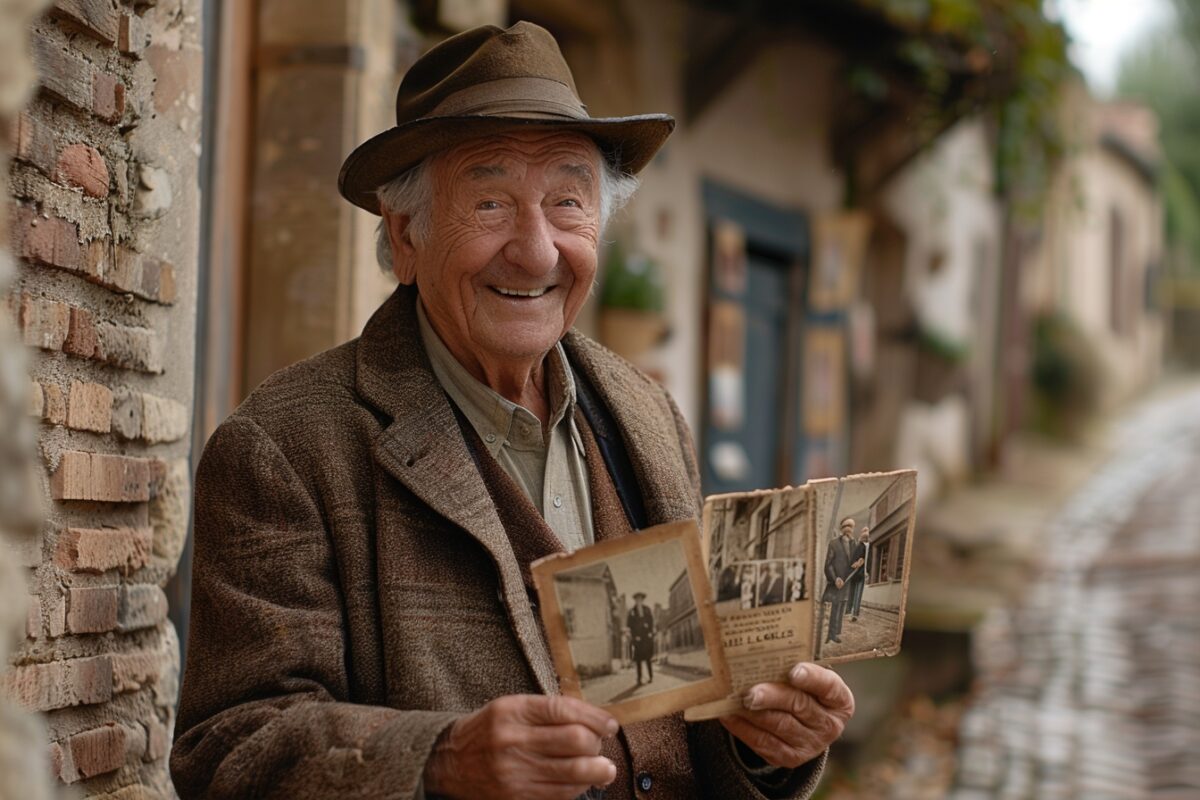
(1089, 687)
(873, 628)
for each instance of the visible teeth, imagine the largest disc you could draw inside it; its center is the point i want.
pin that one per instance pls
(521, 292)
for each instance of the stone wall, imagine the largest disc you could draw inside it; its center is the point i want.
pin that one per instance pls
(104, 221)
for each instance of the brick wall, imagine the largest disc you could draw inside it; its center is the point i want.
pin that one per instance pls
(104, 222)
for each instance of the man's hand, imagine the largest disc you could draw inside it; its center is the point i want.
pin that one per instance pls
(523, 746)
(840, 583)
(789, 724)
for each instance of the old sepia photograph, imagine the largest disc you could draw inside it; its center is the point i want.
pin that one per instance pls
(757, 549)
(864, 532)
(631, 623)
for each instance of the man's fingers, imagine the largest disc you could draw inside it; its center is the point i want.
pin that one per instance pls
(562, 710)
(582, 771)
(825, 685)
(785, 698)
(776, 751)
(563, 740)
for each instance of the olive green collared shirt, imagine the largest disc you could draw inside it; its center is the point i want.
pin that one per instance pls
(548, 464)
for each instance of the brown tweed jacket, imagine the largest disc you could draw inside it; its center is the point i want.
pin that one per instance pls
(355, 590)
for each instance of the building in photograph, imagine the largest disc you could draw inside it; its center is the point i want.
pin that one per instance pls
(587, 597)
(888, 552)
(683, 623)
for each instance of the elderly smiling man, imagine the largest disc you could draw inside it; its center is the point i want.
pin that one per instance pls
(363, 623)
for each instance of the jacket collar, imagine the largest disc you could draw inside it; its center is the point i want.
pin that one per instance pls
(394, 375)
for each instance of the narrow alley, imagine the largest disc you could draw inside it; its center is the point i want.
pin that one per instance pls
(1091, 687)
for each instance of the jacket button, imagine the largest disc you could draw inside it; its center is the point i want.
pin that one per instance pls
(644, 781)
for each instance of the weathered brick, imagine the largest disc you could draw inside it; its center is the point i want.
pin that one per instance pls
(108, 97)
(55, 409)
(56, 611)
(151, 274)
(89, 407)
(97, 259)
(97, 18)
(169, 512)
(62, 73)
(92, 609)
(92, 753)
(158, 476)
(82, 165)
(131, 38)
(45, 687)
(142, 606)
(82, 338)
(131, 348)
(102, 549)
(127, 413)
(35, 143)
(125, 274)
(94, 476)
(44, 323)
(47, 240)
(37, 399)
(166, 284)
(163, 419)
(132, 671)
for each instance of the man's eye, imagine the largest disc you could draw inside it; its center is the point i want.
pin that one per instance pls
(569, 202)
(488, 205)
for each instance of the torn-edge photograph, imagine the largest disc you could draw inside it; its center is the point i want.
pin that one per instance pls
(631, 624)
(864, 530)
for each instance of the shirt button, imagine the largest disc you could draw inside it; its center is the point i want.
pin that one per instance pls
(644, 781)
(558, 501)
(491, 437)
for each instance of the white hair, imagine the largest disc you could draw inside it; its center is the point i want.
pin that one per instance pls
(411, 195)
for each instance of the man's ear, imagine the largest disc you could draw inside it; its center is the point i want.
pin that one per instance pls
(404, 256)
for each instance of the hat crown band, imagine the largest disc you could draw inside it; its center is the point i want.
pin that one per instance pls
(509, 96)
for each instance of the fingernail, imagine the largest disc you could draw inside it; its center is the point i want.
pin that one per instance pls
(799, 672)
(752, 699)
(610, 729)
(612, 772)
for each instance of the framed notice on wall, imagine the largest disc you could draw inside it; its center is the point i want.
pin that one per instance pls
(839, 248)
(825, 381)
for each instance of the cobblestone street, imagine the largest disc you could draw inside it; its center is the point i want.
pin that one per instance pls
(873, 628)
(1090, 688)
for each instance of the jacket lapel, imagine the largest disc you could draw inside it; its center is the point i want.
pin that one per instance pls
(424, 449)
(648, 426)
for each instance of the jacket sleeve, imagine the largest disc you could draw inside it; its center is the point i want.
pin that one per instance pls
(727, 773)
(265, 708)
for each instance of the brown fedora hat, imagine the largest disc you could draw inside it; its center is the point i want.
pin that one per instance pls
(484, 81)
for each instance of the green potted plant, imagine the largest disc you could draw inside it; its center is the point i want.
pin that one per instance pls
(631, 303)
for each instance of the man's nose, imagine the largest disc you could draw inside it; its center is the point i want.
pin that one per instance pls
(532, 245)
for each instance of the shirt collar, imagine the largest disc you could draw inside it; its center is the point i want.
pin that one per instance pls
(496, 419)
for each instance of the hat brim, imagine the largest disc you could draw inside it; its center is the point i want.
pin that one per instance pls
(628, 143)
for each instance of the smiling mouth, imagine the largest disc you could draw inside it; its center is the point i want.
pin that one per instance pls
(521, 292)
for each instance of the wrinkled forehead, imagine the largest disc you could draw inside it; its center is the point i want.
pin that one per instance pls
(564, 154)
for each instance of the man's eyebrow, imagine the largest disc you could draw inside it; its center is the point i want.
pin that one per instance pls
(581, 172)
(484, 171)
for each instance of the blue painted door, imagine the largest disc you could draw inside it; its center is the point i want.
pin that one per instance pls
(760, 436)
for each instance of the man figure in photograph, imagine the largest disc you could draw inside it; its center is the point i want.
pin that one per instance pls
(858, 578)
(641, 634)
(839, 556)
